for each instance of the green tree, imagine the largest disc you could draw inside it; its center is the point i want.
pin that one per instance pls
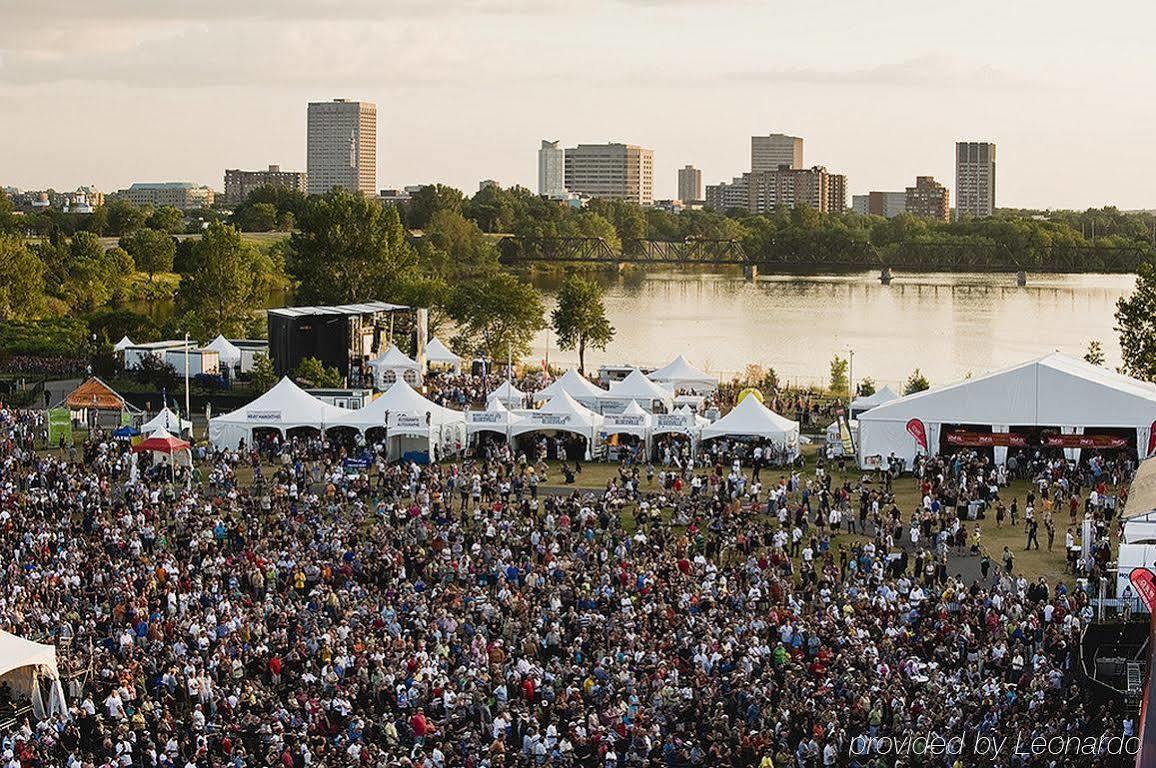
(257, 217)
(311, 372)
(9, 223)
(497, 314)
(166, 219)
(579, 318)
(263, 376)
(123, 217)
(152, 250)
(1095, 353)
(838, 384)
(224, 284)
(430, 199)
(21, 280)
(865, 387)
(461, 249)
(348, 248)
(916, 382)
(1136, 325)
(88, 275)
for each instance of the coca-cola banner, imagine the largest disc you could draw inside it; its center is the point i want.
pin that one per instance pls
(985, 439)
(916, 429)
(1084, 441)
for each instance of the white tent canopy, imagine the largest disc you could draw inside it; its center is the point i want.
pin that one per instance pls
(683, 421)
(561, 414)
(285, 406)
(575, 385)
(1056, 390)
(634, 420)
(679, 374)
(509, 395)
(124, 343)
(750, 418)
(496, 418)
(394, 365)
(439, 353)
(23, 664)
(876, 398)
(639, 390)
(227, 352)
(168, 421)
(405, 413)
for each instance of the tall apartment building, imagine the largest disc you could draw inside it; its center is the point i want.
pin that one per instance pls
(974, 179)
(733, 194)
(765, 191)
(837, 193)
(928, 199)
(875, 203)
(769, 153)
(689, 184)
(342, 146)
(613, 171)
(552, 170)
(238, 183)
(182, 195)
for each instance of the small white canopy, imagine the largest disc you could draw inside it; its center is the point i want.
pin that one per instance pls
(285, 406)
(168, 421)
(124, 343)
(634, 420)
(679, 374)
(509, 395)
(562, 414)
(683, 421)
(227, 352)
(640, 391)
(437, 352)
(23, 664)
(750, 418)
(867, 402)
(496, 418)
(394, 365)
(573, 384)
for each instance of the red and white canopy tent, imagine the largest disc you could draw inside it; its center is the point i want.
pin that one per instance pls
(166, 445)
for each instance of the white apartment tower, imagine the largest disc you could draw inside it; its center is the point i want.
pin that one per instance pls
(552, 170)
(342, 146)
(769, 153)
(974, 179)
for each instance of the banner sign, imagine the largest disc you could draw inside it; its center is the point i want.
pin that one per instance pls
(845, 435)
(1084, 441)
(916, 429)
(59, 425)
(263, 415)
(358, 462)
(624, 421)
(673, 422)
(549, 419)
(486, 417)
(409, 422)
(1152, 439)
(986, 439)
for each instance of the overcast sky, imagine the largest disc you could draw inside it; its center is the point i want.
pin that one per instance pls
(116, 91)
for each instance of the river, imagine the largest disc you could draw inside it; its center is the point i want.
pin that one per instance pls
(946, 324)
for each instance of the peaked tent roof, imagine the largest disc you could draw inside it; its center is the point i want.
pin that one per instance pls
(436, 352)
(750, 418)
(227, 351)
(94, 393)
(399, 398)
(16, 652)
(561, 412)
(636, 386)
(507, 391)
(161, 441)
(877, 398)
(680, 370)
(571, 383)
(285, 405)
(393, 357)
(1053, 390)
(166, 420)
(496, 417)
(124, 342)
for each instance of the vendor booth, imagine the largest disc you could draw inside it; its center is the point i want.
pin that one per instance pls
(283, 408)
(412, 427)
(228, 354)
(393, 365)
(30, 672)
(168, 421)
(1054, 402)
(562, 414)
(629, 429)
(750, 419)
(509, 395)
(683, 427)
(681, 376)
(494, 422)
(576, 386)
(437, 353)
(166, 449)
(637, 389)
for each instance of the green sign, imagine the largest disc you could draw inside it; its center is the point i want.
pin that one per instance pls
(126, 418)
(59, 425)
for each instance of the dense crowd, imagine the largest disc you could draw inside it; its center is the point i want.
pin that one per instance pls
(287, 611)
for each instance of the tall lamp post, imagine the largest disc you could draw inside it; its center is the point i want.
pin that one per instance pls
(850, 380)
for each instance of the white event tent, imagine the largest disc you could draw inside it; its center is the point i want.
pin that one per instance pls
(680, 375)
(576, 386)
(168, 421)
(1057, 390)
(228, 353)
(637, 389)
(23, 665)
(124, 343)
(633, 420)
(413, 424)
(495, 418)
(286, 406)
(438, 353)
(509, 395)
(563, 413)
(750, 418)
(867, 402)
(394, 365)
(684, 421)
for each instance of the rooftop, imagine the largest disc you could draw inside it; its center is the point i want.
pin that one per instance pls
(368, 307)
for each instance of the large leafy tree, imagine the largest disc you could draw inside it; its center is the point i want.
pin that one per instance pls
(152, 250)
(430, 199)
(21, 279)
(497, 315)
(166, 219)
(225, 282)
(579, 318)
(1136, 325)
(8, 218)
(85, 274)
(348, 248)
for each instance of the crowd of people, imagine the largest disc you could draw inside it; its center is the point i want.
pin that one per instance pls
(285, 610)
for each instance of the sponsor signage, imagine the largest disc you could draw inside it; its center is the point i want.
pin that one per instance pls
(263, 415)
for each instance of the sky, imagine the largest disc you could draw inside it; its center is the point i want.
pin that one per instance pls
(112, 92)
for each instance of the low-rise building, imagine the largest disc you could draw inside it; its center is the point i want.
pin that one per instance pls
(182, 195)
(928, 199)
(238, 183)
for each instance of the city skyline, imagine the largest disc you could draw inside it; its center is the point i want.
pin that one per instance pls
(163, 93)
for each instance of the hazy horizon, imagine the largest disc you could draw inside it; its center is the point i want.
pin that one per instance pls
(112, 93)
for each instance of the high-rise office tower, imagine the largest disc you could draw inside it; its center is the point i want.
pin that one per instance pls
(613, 171)
(769, 153)
(974, 179)
(689, 184)
(342, 146)
(552, 170)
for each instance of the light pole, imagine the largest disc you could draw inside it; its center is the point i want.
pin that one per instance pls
(187, 411)
(850, 379)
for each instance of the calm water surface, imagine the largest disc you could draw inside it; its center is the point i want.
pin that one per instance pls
(946, 324)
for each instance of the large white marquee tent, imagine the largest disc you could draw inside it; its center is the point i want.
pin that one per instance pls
(23, 665)
(1056, 390)
(750, 418)
(228, 353)
(637, 389)
(495, 418)
(437, 353)
(286, 406)
(576, 386)
(168, 421)
(413, 424)
(680, 375)
(561, 414)
(394, 365)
